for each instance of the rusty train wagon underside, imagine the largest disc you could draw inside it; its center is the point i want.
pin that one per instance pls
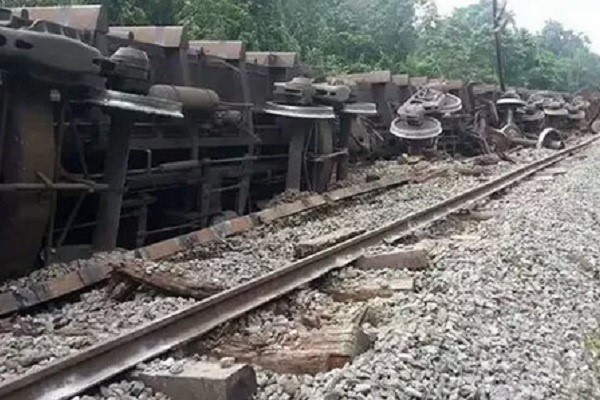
(120, 136)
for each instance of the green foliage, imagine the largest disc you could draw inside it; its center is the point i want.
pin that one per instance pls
(213, 19)
(404, 36)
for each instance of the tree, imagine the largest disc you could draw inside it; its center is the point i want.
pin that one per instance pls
(458, 46)
(404, 36)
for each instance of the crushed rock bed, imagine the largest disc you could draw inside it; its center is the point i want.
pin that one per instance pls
(505, 313)
(33, 341)
(59, 270)
(123, 390)
(268, 245)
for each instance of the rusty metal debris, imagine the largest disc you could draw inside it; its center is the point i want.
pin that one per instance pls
(301, 112)
(550, 138)
(490, 121)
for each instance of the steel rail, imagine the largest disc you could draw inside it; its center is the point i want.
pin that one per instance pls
(69, 377)
(52, 187)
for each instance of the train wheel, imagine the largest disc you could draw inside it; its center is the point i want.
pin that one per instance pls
(29, 149)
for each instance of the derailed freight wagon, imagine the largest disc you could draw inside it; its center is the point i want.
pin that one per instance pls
(421, 114)
(371, 137)
(120, 136)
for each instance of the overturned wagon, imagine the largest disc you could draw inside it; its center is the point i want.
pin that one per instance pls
(417, 114)
(119, 136)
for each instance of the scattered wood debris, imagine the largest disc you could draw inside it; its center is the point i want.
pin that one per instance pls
(431, 174)
(486, 159)
(311, 246)
(322, 351)
(413, 259)
(470, 170)
(369, 291)
(134, 274)
(312, 352)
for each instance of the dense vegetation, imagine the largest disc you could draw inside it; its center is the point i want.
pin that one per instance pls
(405, 36)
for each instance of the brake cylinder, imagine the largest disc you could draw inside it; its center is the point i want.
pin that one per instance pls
(193, 99)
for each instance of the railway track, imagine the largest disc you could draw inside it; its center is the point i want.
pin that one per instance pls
(22, 295)
(60, 280)
(57, 281)
(90, 367)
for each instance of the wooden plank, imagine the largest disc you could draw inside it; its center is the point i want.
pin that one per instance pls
(414, 260)
(367, 291)
(429, 175)
(470, 170)
(163, 282)
(61, 287)
(311, 246)
(318, 351)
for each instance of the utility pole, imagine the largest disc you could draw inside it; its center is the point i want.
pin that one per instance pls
(498, 26)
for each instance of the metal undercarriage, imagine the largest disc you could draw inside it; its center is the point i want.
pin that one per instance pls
(93, 157)
(135, 134)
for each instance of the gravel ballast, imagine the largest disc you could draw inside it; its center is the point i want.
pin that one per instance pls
(506, 311)
(123, 390)
(35, 340)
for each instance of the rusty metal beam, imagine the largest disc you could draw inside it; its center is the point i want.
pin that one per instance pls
(299, 131)
(52, 187)
(163, 36)
(115, 165)
(374, 78)
(82, 17)
(230, 50)
(272, 59)
(344, 161)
